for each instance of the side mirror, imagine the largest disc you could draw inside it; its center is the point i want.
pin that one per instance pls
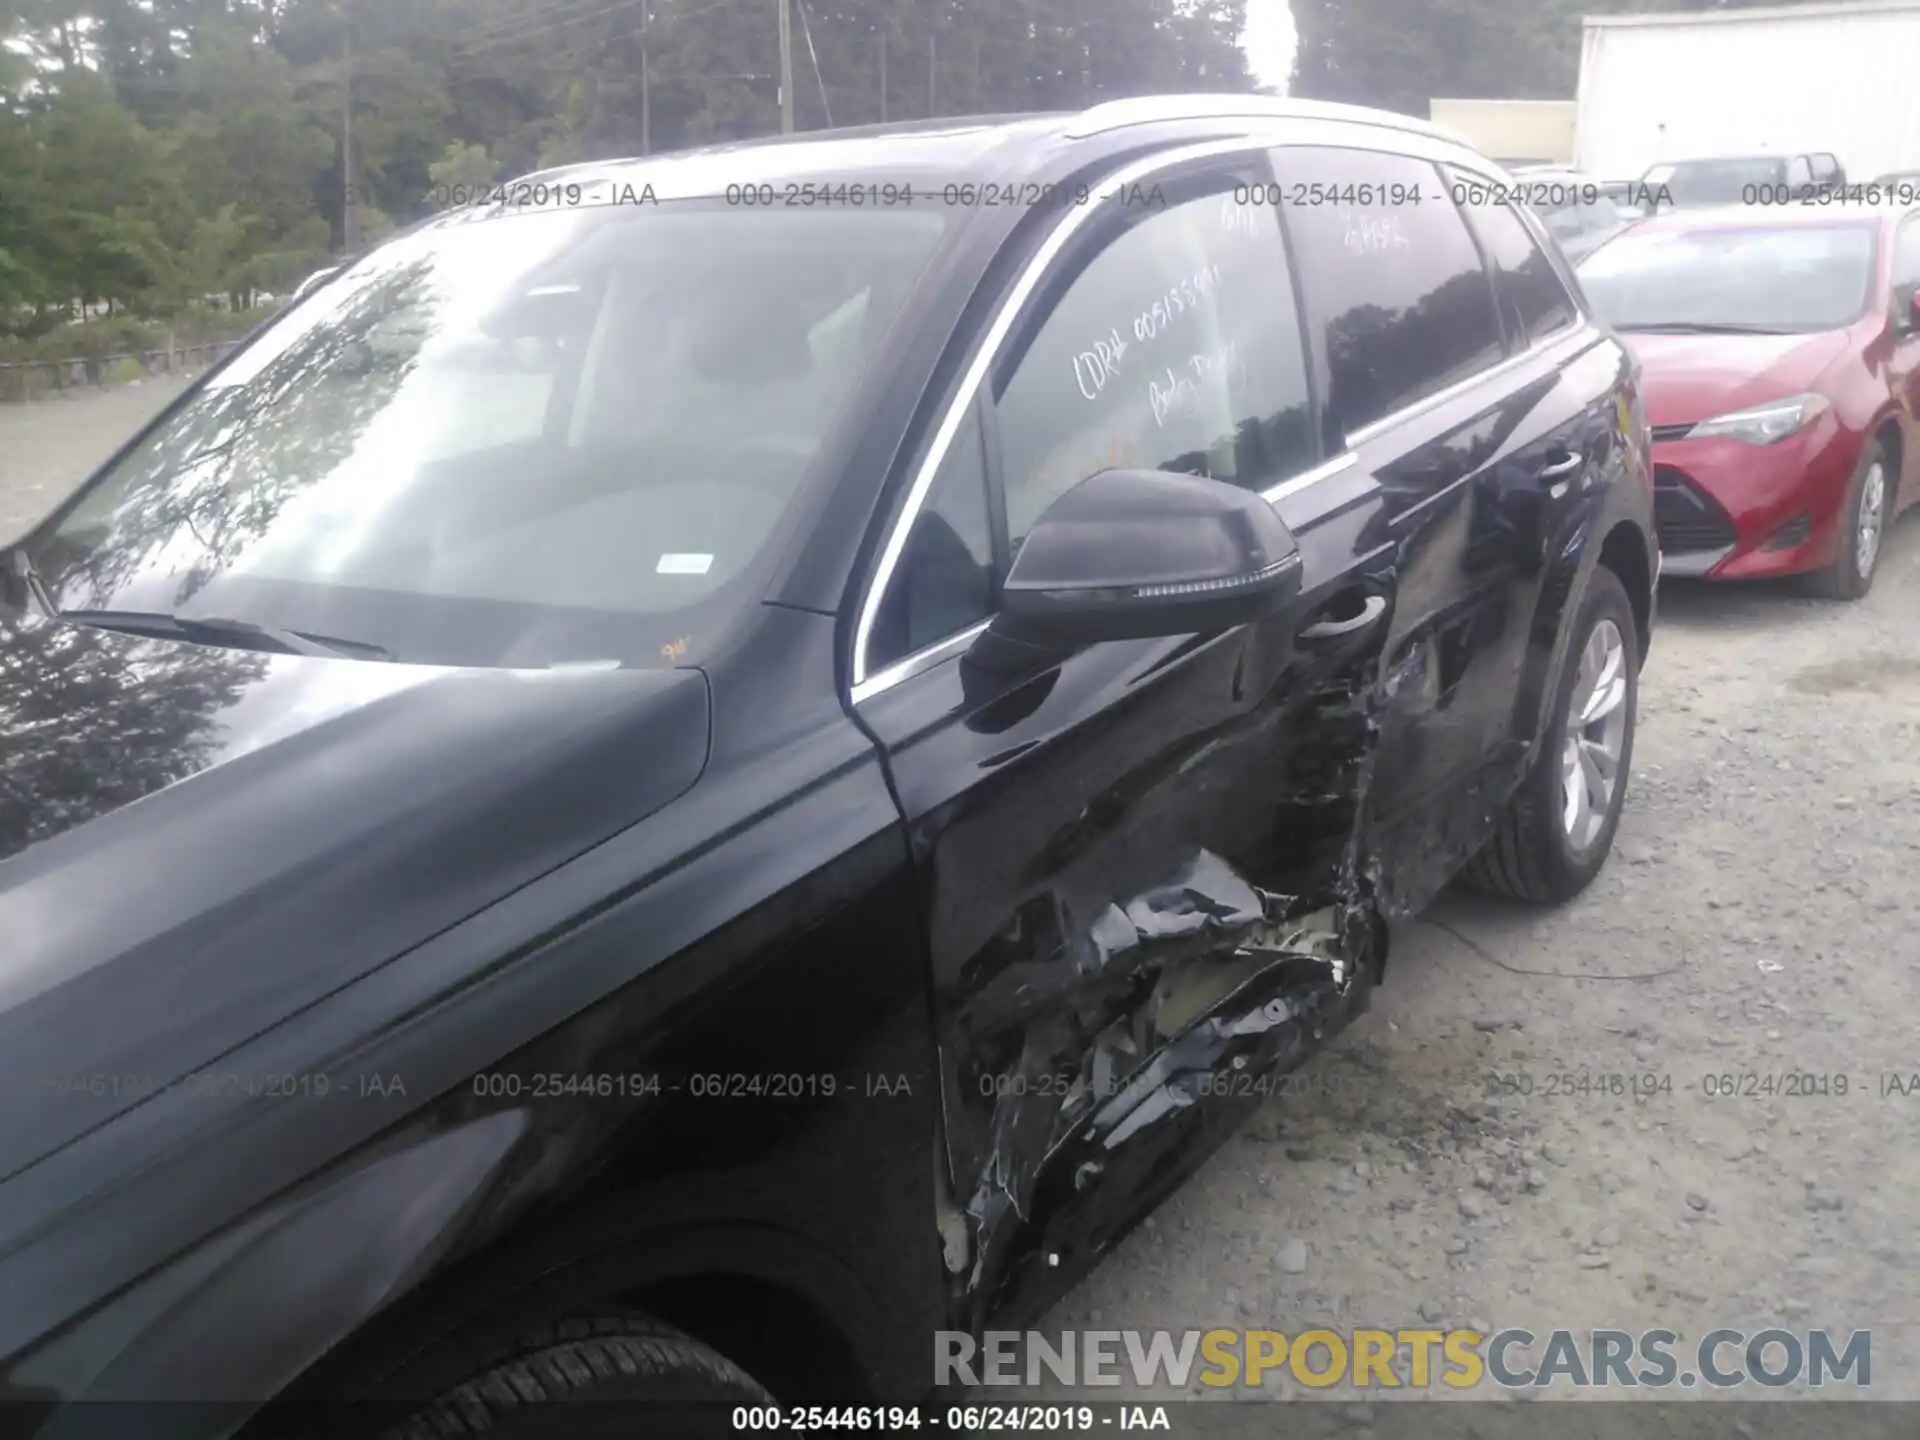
(1132, 554)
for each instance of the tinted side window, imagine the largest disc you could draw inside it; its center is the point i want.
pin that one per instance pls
(1398, 304)
(1826, 169)
(944, 579)
(1799, 172)
(1175, 348)
(1537, 303)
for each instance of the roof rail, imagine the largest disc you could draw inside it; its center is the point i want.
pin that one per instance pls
(1148, 109)
(555, 173)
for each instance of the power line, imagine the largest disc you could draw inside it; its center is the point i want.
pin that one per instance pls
(459, 57)
(509, 27)
(467, 52)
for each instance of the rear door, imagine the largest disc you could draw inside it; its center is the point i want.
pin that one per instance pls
(1447, 378)
(1107, 843)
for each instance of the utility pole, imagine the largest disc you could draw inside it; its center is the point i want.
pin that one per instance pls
(786, 67)
(646, 98)
(883, 72)
(349, 201)
(933, 48)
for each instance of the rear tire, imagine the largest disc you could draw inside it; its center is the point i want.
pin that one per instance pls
(1548, 848)
(1863, 528)
(623, 1375)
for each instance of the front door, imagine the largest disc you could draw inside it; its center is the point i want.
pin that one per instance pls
(1138, 860)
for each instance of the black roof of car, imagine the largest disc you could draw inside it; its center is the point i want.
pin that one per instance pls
(975, 147)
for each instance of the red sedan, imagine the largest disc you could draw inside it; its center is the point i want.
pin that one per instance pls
(1780, 356)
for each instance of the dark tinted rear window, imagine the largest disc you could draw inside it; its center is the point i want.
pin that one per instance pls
(1537, 303)
(1398, 305)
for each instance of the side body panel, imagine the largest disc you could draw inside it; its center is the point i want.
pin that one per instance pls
(1141, 870)
(698, 1051)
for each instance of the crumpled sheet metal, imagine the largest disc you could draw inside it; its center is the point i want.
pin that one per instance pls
(1129, 1076)
(1207, 898)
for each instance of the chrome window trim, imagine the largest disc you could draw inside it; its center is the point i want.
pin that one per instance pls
(1325, 470)
(983, 361)
(924, 659)
(1460, 387)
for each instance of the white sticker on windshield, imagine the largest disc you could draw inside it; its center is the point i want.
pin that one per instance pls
(683, 565)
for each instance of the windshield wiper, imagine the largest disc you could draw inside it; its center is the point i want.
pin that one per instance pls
(28, 578)
(1685, 328)
(220, 630)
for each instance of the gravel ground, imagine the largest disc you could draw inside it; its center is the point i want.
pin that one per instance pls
(1756, 920)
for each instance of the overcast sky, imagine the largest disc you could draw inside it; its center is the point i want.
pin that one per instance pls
(1268, 41)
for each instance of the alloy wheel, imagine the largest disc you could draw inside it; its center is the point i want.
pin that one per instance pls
(1866, 530)
(1596, 732)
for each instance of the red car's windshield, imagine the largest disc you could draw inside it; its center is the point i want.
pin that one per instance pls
(1780, 279)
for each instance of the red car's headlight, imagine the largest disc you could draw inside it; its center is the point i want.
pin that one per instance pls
(1766, 424)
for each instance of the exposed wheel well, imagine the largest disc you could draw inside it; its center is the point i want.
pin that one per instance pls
(1624, 552)
(773, 1334)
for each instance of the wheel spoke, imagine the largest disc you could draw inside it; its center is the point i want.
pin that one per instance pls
(1595, 779)
(1601, 762)
(1574, 788)
(1595, 733)
(1607, 698)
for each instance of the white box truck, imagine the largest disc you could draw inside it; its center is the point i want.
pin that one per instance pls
(1780, 80)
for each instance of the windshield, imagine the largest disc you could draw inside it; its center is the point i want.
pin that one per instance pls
(515, 439)
(1716, 182)
(1787, 279)
(1579, 217)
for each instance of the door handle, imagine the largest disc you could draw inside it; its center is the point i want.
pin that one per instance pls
(1370, 612)
(1563, 467)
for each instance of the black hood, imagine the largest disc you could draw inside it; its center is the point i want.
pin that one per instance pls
(196, 843)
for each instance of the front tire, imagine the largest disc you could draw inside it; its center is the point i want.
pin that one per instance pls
(1863, 525)
(623, 1375)
(1559, 826)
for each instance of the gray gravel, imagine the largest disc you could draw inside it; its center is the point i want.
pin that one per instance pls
(1758, 918)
